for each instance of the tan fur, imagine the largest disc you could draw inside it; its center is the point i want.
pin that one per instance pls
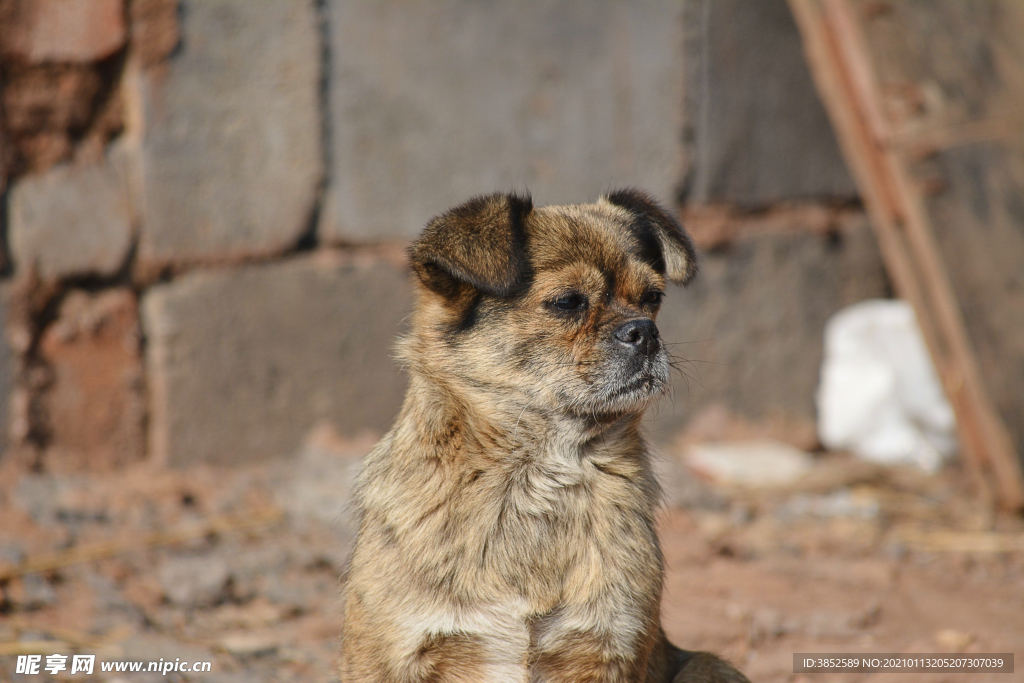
(507, 519)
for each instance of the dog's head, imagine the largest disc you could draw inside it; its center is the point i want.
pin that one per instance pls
(554, 304)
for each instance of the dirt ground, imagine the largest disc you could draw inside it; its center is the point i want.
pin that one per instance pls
(241, 568)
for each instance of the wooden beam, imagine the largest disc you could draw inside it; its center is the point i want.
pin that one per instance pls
(843, 73)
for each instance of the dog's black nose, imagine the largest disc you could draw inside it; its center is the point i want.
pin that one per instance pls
(640, 334)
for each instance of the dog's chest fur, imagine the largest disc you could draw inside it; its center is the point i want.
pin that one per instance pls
(543, 520)
(509, 544)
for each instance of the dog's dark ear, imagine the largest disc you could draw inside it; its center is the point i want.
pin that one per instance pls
(678, 254)
(481, 243)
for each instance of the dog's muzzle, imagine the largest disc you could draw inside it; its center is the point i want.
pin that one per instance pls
(639, 336)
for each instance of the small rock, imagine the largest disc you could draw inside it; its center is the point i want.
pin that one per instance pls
(714, 525)
(38, 495)
(255, 562)
(113, 608)
(954, 640)
(749, 463)
(32, 591)
(12, 553)
(249, 644)
(767, 624)
(292, 595)
(253, 614)
(840, 504)
(293, 655)
(867, 618)
(737, 612)
(896, 551)
(194, 581)
(831, 625)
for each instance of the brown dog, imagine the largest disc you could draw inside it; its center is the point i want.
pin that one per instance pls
(507, 519)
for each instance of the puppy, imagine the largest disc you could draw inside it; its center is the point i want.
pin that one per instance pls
(507, 520)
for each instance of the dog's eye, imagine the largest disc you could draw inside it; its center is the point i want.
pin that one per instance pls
(652, 298)
(570, 302)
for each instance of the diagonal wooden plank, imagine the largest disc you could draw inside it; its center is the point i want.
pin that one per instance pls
(843, 73)
(963, 383)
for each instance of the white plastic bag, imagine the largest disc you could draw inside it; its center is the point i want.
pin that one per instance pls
(879, 395)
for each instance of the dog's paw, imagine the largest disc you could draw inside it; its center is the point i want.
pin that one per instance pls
(704, 667)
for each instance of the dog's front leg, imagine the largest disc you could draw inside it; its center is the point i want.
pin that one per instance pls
(436, 658)
(570, 645)
(468, 658)
(393, 637)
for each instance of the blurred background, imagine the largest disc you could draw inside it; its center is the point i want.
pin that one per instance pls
(205, 207)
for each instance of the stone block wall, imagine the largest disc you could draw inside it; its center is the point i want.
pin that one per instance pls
(230, 147)
(757, 134)
(207, 203)
(431, 103)
(243, 362)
